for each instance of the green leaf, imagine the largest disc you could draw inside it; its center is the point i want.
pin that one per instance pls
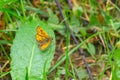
(91, 49)
(27, 60)
(75, 24)
(116, 25)
(53, 18)
(116, 66)
(78, 11)
(81, 73)
(5, 2)
(93, 20)
(93, 3)
(83, 32)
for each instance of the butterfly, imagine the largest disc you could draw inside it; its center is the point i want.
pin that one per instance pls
(43, 39)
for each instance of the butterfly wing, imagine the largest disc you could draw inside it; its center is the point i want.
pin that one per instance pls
(41, 32)
(44, 40)
(44, 44)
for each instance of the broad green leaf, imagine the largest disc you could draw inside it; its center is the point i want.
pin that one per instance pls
(27, 60)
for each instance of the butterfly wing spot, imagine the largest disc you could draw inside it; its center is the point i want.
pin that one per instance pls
(41, 32)
(43, 39)
(45, 43)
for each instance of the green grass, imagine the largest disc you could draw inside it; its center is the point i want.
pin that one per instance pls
(95, 25)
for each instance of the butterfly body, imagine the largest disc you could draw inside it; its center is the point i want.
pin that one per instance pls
(43, 39)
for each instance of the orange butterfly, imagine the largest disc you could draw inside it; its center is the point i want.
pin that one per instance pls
(43, 39)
